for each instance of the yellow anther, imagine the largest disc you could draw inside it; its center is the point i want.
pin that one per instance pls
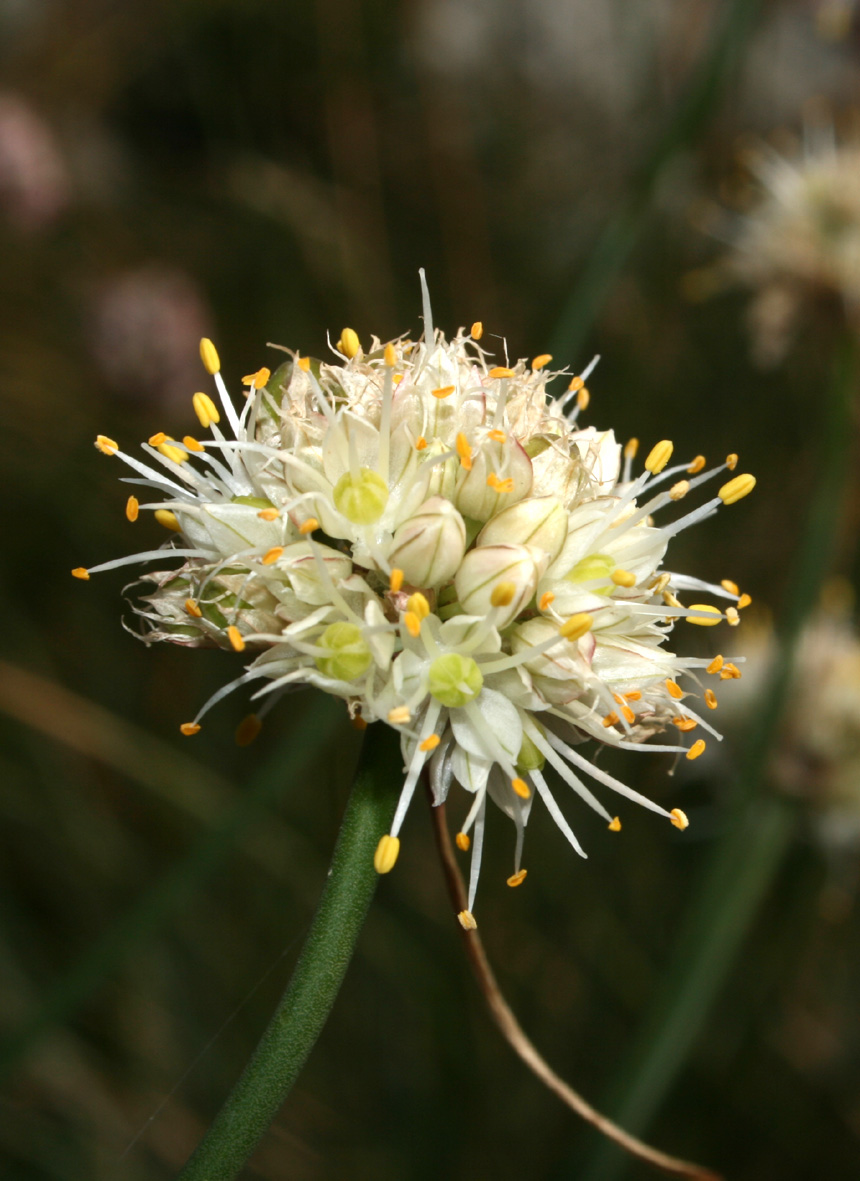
(157, 439)
(420, 443)
(193, 609)
(730, 672)
(309, 526)
(395, 580)
(498, 436)
(168, 519)
(731, 461)
(737, 489)
(497, 485)
(628, 714)
(430, 742)
(521, 788)
(546, 600)
(517, 879)
(398, 377)
(685, 724)
(674, 690)
(614, 824)
(358, 723)
(206, 410)
(576, 627)
(670, 599)
(477, 330)
(659, 456)
(710, 699)
(176, 454)
(582, 399)
(236, 639)
(540, 361)
(132, 508)
(630, 448)
(501, 371)
(679, 491)
(610, 720)
(268, 514)
(710, 615)
(623, 578)
(660, 583)
(209, 356)
(192, 444)
(462, 841)
(271, 555)
(732, 617)
(81, 572)
(400, 715)
(576, 383)
(467, 920)
(386, 854)
(412, 624)
(715, 665)
(679, 819)
(418, 605)
(464, 451)
(633, 695)
(744, 601)
(502, 594)
(248, 729)
(443, 391)
(349, 344)
(696, 749)
(697, 465)
(105, 445)
(257, 380)
(389, 355)
(304, 363)
(728, 585)
(189, 728)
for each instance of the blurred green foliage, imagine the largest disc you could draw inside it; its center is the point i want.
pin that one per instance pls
(260, 172)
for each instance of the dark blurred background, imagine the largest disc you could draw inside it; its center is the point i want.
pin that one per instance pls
(260, 171)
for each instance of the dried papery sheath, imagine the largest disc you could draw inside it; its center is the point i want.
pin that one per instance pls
(433, 538)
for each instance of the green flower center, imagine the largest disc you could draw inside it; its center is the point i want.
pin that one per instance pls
(529, 758)
(361, 499)
(454, 679)
(347, 655)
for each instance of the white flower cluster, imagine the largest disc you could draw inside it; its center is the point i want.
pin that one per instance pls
(433, 539)
(797, 245)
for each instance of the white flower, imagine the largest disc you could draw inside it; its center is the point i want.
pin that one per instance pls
(432, 538)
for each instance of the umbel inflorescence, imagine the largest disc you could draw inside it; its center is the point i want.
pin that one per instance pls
(434, 539)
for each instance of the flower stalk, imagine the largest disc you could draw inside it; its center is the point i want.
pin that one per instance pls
(304, 1008)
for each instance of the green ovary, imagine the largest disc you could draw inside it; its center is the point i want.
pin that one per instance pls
(529, 758)
(594, 566)
(361, 499)
(455, 680)
(347, 655)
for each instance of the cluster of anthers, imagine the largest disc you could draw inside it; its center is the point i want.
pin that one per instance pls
(433, 538)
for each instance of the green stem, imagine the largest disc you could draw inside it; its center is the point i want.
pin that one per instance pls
(304, 1008)
(619, 236)
(747, 859)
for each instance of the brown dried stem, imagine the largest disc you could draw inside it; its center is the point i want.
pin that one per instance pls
(518, 1040)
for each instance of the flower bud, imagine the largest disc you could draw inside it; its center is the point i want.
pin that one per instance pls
(494, 466)
(347, 655)
(484, 568)
(429, 547)
(539, 521)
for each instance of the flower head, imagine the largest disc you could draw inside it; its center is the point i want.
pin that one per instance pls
(798, 245)
(433, 538)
